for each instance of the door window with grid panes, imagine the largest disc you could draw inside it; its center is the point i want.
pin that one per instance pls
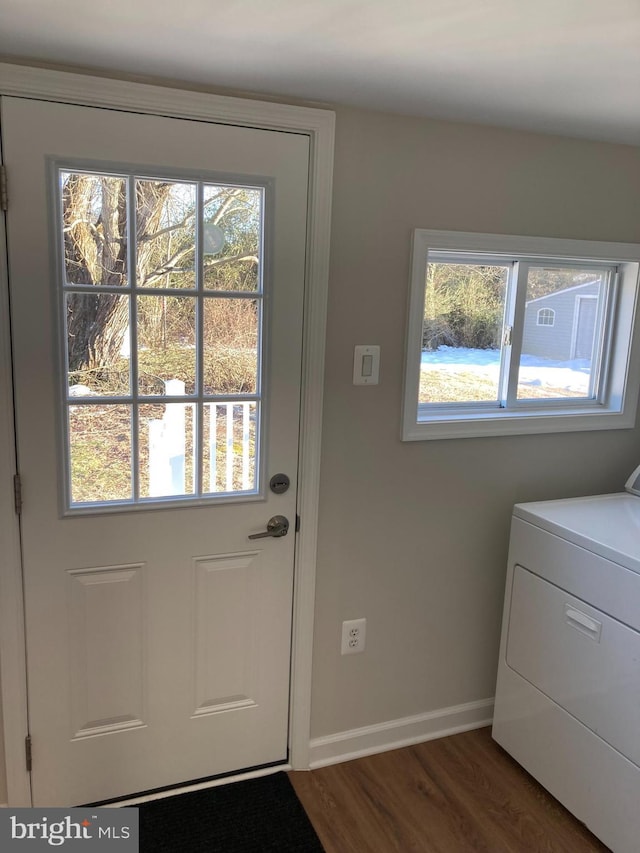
(161, 288)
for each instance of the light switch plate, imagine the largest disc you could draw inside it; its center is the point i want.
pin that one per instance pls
(366, 365)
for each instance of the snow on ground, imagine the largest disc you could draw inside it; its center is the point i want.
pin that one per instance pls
(543, 372)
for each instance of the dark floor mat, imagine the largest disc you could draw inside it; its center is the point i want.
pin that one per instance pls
(255, 816)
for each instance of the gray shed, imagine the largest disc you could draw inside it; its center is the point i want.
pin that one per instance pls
(562, 325)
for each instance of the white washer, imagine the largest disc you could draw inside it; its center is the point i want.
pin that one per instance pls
(568, 692)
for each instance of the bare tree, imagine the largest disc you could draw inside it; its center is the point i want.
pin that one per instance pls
(96, 251)
(95, 248)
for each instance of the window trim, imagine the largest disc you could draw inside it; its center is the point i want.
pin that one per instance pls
(621, 364)
(548, 316)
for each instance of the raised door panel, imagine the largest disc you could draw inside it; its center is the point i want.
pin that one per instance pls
(107, 632)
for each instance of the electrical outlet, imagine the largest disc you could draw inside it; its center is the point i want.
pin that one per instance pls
(354, 632)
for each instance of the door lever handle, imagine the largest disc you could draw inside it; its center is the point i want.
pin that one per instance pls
(276, 527)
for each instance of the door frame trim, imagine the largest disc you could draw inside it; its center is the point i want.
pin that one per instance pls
(319, 126)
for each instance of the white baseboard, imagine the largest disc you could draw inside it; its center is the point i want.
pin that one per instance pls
(356, 743)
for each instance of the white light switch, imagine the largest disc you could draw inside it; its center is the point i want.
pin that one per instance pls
(366, 365)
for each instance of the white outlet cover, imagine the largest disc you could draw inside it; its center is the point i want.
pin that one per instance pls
(354, 633)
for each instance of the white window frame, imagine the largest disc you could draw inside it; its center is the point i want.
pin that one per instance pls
(548, 316)
(616, 406)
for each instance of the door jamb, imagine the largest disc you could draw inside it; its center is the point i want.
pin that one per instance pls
(318, 125)
(13, 708)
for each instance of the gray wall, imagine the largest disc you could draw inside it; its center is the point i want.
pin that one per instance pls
(413, 536)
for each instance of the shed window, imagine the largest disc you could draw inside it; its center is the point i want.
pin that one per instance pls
(546, 317)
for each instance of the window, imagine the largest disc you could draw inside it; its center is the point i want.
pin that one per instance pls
(519, 335)
(546, 316)
(160, 290)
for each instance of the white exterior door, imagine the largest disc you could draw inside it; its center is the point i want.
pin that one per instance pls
(156, 273)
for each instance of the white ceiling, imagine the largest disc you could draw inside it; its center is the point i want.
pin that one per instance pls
(559, 66)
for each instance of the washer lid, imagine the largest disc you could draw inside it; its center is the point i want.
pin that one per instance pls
(608, 525)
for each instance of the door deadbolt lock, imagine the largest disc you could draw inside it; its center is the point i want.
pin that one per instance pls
(279, 484)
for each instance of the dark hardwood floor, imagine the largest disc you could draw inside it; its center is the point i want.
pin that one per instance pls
(458, 794)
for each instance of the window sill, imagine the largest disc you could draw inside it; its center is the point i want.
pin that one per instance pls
(439, 425)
